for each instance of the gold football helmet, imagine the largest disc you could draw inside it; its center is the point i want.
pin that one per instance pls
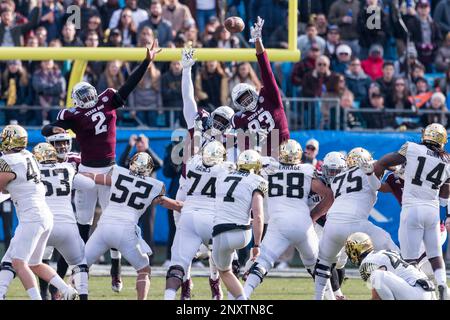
(142, 164)
(435, 133)
(45, 153)
(213, 153)
(357, 246)
(14, 137)
(355, 154)
(250, 161)
(290, 152)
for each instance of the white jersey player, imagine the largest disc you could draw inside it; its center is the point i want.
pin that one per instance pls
(196, 223)
(389, 276)
(291, 222)
(132, 192)
(427, 174)
(238, 193)
(355, 194)
(60, 179)
(20, 177)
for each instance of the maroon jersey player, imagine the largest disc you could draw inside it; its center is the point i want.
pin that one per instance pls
(261, 113)
(93, 119)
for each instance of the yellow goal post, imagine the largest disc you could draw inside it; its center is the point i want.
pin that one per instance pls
(82, 55)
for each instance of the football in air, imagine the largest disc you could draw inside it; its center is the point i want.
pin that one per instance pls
(234, 24)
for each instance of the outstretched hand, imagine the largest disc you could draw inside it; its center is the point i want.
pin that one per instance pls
(256, 30)
(187, 57)
(153, 50)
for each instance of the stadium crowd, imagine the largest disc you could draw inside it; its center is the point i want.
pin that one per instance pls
(344, 57)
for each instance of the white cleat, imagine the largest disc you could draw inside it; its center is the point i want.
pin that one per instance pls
(70, 294)
(116, 284)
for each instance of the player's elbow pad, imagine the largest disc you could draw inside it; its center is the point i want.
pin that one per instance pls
(374, 182)
(443, 202)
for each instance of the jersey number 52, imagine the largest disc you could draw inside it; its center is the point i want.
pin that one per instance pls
(120, 185)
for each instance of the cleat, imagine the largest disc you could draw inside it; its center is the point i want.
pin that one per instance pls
(341, 298)
(70, 294)
(186, 288)
(216, 289)
(116, 284)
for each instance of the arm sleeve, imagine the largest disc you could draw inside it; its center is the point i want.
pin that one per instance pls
(374, 182)
(268, 78)
(130, 84)
(82, 182)
(47, 130)
(34, 21)
(189, 105)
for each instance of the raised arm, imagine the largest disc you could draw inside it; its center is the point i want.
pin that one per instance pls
(59, 126)
(325, 204)
(136, 76)
(187, 88)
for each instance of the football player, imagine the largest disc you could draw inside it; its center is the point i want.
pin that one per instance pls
(237, 193)
(132, 191)
(427, 174)
(291, 222)
(355, 194)
(333, 164)
(196, 223)
(203, 128)
(60, 179)
(20, 176)
(262, 112)
(93, 119)
(390, 277)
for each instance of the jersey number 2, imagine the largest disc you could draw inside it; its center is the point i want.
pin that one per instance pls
(99, 126)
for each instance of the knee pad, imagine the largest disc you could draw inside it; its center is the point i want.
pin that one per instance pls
(175, 272)
(322, 270)
(7, 266)
(258, 271)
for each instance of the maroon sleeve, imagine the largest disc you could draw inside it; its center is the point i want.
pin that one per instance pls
(239, 121)
(108, 99)
(270, 86)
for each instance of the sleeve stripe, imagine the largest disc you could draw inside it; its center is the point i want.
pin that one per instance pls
(61, 115)
(4, 166)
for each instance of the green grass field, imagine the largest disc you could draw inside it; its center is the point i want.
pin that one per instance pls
(271, 289)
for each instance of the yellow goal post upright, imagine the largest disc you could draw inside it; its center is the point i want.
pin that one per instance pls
(82, 56)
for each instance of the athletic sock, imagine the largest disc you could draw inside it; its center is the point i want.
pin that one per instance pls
(440, 276)
(34, 294)
(6, 277)
(251, 283)
(213, 272)
(59, 283)
(169, 294)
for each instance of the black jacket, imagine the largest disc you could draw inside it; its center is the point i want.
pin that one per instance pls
(19, 30)
(126, 157)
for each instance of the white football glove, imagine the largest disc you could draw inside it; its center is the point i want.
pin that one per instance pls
(269, 165)
(366, 166)
(187, 57)
(256, 30)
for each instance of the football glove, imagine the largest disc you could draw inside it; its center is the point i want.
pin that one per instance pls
(256, 30)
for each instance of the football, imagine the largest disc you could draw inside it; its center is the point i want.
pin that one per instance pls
(234, 24)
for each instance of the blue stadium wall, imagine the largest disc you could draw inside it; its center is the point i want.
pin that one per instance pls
(388, 210)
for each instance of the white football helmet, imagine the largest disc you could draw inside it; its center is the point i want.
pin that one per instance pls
(221, 120)
(244, 97)
(62, 143)
(213, 153)
(84, 95)
(333, 164)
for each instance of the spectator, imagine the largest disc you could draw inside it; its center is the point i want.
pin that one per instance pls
(378, 120)
(425, 33)
(368, 33)
(205, 10)
(442, 15)
(15, 90)
(314, 82)
(127, 28)
(357, 81)
(211, 86)
(347, 102)
(335, 88)
(171, 90)
(112, 77)
(107, 10)
(279, 38)
(50, 88)
(404, 65)
(305, 65)
(52, 17)
(94, 24)
(223, 39)
(160, 26)
(139, 15)
(387, 81)
(191, 36)
(243, 73)
(115, 39)
(344, 14)
(421, 85)
(147, 220)
(333, 41)
(307, 9)
(310, 154)
(41, 35)
(344, 56)
(69, 38)
(373, 65)
(437, 104)
(210, 29)
(321, 25)
(177, 14)
(12, 35)
(443, 55)
(94, 68)
(399, 99)
(374, 88)
(304, 42)
(417, 72)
